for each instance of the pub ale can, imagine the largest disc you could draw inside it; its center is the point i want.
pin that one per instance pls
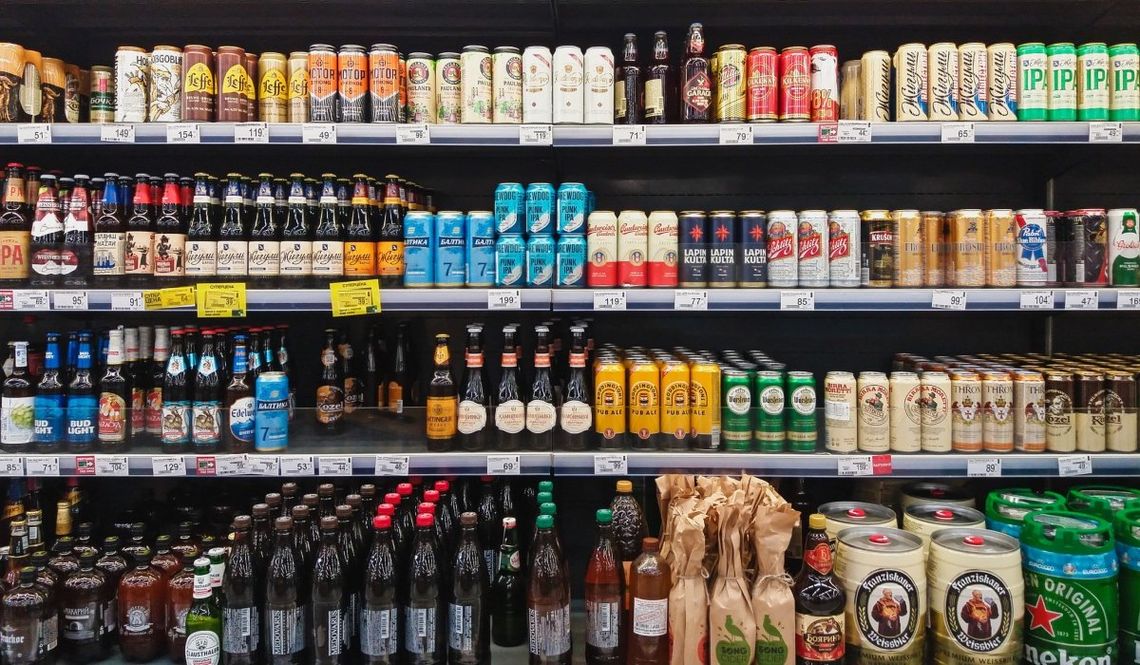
(384, 83)
(602, 248)
(730, 83)
(164, 97)
(875, 86)
(723, 241)
(352, 83)
(1032, 81)
(824, 83)
(840, 412)
(1032, 248)
(538, 85)
(762, 91)
(569, 75)
(812, 248)
(421, 87)
(598, 86)
(783, 259)
(506, 85)
(795, 84)
(663, 249)
(273, 87)
(510, 261)
(908, 248)
(753, 249)
(973, 91)
(476, 77)
(1123, 247)
(911, 101)
(942, 78)
(1124, 82)
(693, 242)
(540, 261)
(877, 255)
(1062, 81)
(322, 83)
(510, 208)
(1001, 70)
(132, 82)
(480, 248)
(299, 86)
(1093, 93)
(570, 261)
(632, 248)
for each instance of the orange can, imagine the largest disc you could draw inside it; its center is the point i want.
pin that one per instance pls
(1001, 248)
(322, 83)
(933, 248)
(384, 83)
(403, 69)
(352, 83)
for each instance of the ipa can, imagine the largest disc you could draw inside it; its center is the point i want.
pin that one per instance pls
(942, 79)
(911, 102)
(1123, 71)
(132, 82)
(537, 89)
(812, 248)
(973, 89)
(539, 262)
(753, 249)
(934, 410)
(1123, 247)
(602, 249)
(632, 248)
(510, 261)
(843, 264)
(510, 208)
(540, 208)
(1001, 68)
(875, 86)
(383, 83)
(840, 411)
(570, 261)
(1032, 247)
(1062, 81)
(874, 412)
(783, 264)
(824, 83)
(165, 95)
(506, 85)
(569, 72)
(1093, 86)
(475, 77)
(1032, 81)
(662, 249)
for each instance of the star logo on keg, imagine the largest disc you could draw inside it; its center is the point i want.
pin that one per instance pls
(722, 232)
(1042, 617)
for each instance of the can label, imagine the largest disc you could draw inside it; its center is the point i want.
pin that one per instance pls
(911, 83)
(1093, 85)
(978, 615)
(540, 262)
(942, 72)
(754, 251)
(537, 88)
(782, 258)
(1125, 98)
(888, 612)
(974, 90)
(384, 85)
(1071, 603)
(1032, 265)
(510, 261)
(1123, 247)
(813, 250)
(1062, 86)
(570, 261)
(663, 250)
(322, 86)
(419, 268)
(824, 85)
(843, 250)
(1032, 85)
(762, 91)
(352, 85)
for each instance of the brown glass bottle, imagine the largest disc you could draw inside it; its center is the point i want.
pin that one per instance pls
(696, 80)
(114, 399)
(379, 616)
(113, 565)
(425, 638)
(330, 388)
(604, 597)
(442, 405)
(141, 612)
(328, 599)
(548, 599)
(110, 235)
(660, 88)
(15, 229)
(48, 583)
(83, 602)
(138, 250)
(628, 101)
(237, 434)
(241, 591)
(21, 614)
(306, 521)
(510, 410)
(179, 597)
(284, 625)
(390, 248)
(63, 561)
(819, 601)
(576, 417)
(165, 559)
(351, 552)
(647, 640)
(541, 414)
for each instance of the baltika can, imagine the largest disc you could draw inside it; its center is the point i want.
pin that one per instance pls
(875, 86)
(812, 248)
(510, 261)
(602, 249)
(824, 83)
(570, 261)
(1123, 247)
(132, 82)
(540, 208)
(421, 87)
(723, 241)
(480, 248)
(925, 520)
(762, 92)
(569, 97)
(840, 412)
(1124, 84)
(795, 84)
(753, 249)
(1032, 249)
(448, 89)
(476, 78)
(730, 83)
(299, 86)
(322, 84)
(271, 412)
(571, 202)
(450, 249)
(934, 252)
(273, 87)
(419, 249)
(1001, 70)
(164, 98)
(908, 248)
(598, 86)
(510, 208)
(384, 83)
(1061, 73)
(911, 102)
(693, 242)
(540, 261)
(1032, 81)
(874, 424)
(538, 85)
(934, 412)
(663, 249)
(1006, 508)
(843, 515)
(1093, 87)
(352, 83)
(973, 89)
(506, 85)
(942, 79)
(632, 248)
(783, 260)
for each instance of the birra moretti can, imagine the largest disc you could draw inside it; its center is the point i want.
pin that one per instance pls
(1032, 81)
(538, 84)
(1032, 250)
(569, 72)
(840, 412)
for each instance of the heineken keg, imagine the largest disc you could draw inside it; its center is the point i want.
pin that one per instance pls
(1127, 530)
(1103, 501)
(1005, 509)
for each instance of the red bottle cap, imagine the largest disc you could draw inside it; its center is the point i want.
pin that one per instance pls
(423, 519)
(404, 489)
(393, 498)
(442, 486)
(974, 541)
(382, 522)
(879, 539)
(943, 515)
(386, 509)
(426, 507)
(857, 513)
(431, 496)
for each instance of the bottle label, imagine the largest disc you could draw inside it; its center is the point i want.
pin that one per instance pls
(390, 258)
(109, 251)
(264, 258)
(819, 558)
(282, 627)
(138, 410)
(138, 257)
(49, 422)
(153, 415)
(441, 417)
(17, 419)
(296, 258)
(510, 416)
(82, 411)
(379, 630)
(650, 617)
(328, 258)
(176, 423)
(419, 633)
(576, 417)
(170, 254)
(359, 259)
(332, 632)
(330, 404)
(233, 258)
(603, 624)
(549, 631)
(395, 398)
(14, 254)
(353, 397)
(540, 416)
(239, 630)
(201, 258)
(819, 638)
(472, 417)
(207, 423)
(68, 261)
(110, 615)
(203, 648)
(654, 99)
(50, 632)
(20, 641)
(620, 108)
(82, 623)
(461, 632)
(112, 418)
(138, 621)
(241, 419)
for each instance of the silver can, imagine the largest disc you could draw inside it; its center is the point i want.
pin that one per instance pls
(942, 81)
(538, 87)
(599, 86)
(844, 247)
(1032, 248)
(875, 86)
(840, 412)
(421, 87)
(506, 85)
(812, 248)
(475, 77)
(132, 83)
(1001, 70)
(973, 90)
(569, 97)
(448, 89)
(783, 263)
(164, 96)
(911, 101)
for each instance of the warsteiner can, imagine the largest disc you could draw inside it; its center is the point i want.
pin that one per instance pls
(802, 430)
(973, 89)
(736, 410)
(942, 79)
(770, 431)
(840, 409)
(602, 249)
(783, 259)
(843, 263)
(911, 102)
(1001, 70)
(1032, 81)
(1123, 71)
(1032, 248)
(663, 249)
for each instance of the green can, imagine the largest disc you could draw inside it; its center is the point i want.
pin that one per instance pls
(735, 410)
(1070, 568)
(769, 432)
(1062, 77)
(1006, 509)
(1127, 530)
(1092, 82)
(1032, 82)
(1102, 501)
(802, 432)
(1124, 77)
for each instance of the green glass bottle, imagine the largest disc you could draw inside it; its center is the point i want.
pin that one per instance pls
(204, 621)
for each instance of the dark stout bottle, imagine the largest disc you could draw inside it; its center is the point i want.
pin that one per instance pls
(660, 91)
(628, 101)
(328, 604)
(696, 82)
(286, 638)
(819, 601)
(379, 615)
(330, 389)
(469, 632)
(242, 593)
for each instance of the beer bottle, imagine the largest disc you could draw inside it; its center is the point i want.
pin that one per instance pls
(110, 236)
(330, 389)
(427, 643)
(138, 255)
(399, 393)
(83, 599)
(696, 81)
(508, 592)
(204, 620)
(179, 597)
(113, 565)
(170, 236)
(379, 614)
(284, 620)
(473, 401)
(233, 234)
(15, 229)
(390, 250)
(23, 608)
(296, 237)
(77, 251)
(137, 380)
(373, 381)
(629, 528)
(176, 409)
(647, 640)
(353, 386)
(576, 418)
(46, 235)
(660, 100)
(264, 238)
(114, 398)
(31, 185)
(241, 587)
(206, 405)
(153, 416)
(548, 599)
(239, 404)
(306, 523)
(82, 405)
(470, 622)
(17, 550)
(819, 601)
(628, 100)
(540, 412)
(140, 611)
(185, 197)
(328, 236)
(328, 605)
(201, 235)
(441, 400)
(350, 547)
(49, 401)
(360, 244)
(510, 412)
(281, 200)
(604, 597)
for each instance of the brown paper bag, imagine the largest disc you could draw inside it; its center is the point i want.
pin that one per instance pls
(732, 626)
(773, 604)
(689, 597)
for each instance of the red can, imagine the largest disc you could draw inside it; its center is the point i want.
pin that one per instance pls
(760, 96)
(824, 83)
(795, 84)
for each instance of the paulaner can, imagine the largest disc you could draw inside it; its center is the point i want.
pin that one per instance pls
(510, 261)
(1123, 247)
(1001, 68)
(506, 85)
(911, 102)
(480, 248)
(569, 72)
(421, 88)
(908, 248)
(540, 261)
(783, 260)
(663, 247)
(1001, 248)
(934, 251)
(384, 83)
(510, 208)
(1062, 81)
(973, 91)
(942, 79)
(875, 86)
(476, 76)
(1123, 71)
(602, 249)
(762, 91)
(352, 83)
(1032, 257)
(1093, 94)
(633, 248)
(693, 242)
(132, 82)
(540, 208)
(570, 261)
(753, 249)
(840, 410)
(165, 95)
(843, 263)
(271, 412)
(538, 87)
(598, 86)
(824, 83)
(1032, 81)
(322, 84)
(723, 240)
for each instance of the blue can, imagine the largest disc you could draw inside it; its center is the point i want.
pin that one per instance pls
(419, 263)
(271, 412)
(591, 202)
(540, 208)
(510, 261)
(570, 261)
(480, 248)
(450, 249)
(540, 262)
(572, 204)
(510, 208)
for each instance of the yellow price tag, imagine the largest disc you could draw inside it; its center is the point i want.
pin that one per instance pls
(218, 301)
(355, 298)
(179, 296)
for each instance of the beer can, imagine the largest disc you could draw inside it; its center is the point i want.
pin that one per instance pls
(323, 83)
(352, 83)
(510, 261)
(506, 85)
(273, 87)
(874, 416)
(632, 248)
(675, 423)
(1123, 247)
(875, 86)
(934, 410)
(795, 84)
(419, 249)
(480, 248)
(610, 403)
(102, 105)
(1032, 81)
(663, 249)
(249, 87)
(843, 263)
(783, 258)
(450, 244)
(569, 97)
(704, 405)
(540, 208)
(383, 83)
(736, 410)
(973, 91)
(540, 261)
(448, 89)
(967, 263)
(1028, 412)
(908, 248)
(849, 81)
(1032, 264)
(164, 96)
(761, 89)
(878, 248)
(643, 404)
(538, 87)
(1120, 411)
(934, 248)
(1060, 432)
(723, 241)
(476, 78)
(1093, 87)
(802, 433)
(570, 261)
(812, 248)
(693, 241)
(421, 87)
(30, 92)
(571, 200)
(1095, 241)
(74, 95)
(1088, 411)
(12, 75)
(906, 421)
(510, 208)
(730, 83)
(271, 412)
(298, 68)
(753, 249)
(598, 86)
(714, 67)
(997, 412)
(843, 515)
(1066, 247)
(942, 79)
(402, 70)
(840, 412)
(1062, 81)
(770, 428)
(1001, 70)
(231, 75)
(824, 83)
(966, 412)
(602, 248)
(1001, 248)
(132, 82)
(1123, 70)
(55, 80)
(911, 102)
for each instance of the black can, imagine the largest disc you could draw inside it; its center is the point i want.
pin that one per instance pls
(753, 249)
(1070, 248)
(723, 243)
(693, 240)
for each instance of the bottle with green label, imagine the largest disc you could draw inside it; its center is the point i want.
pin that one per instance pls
(204, 620)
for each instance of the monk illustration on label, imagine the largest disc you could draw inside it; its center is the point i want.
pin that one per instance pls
(977, 613)
(888, 611)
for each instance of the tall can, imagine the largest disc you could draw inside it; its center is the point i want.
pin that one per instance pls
(1124, 82)
(1120, 411)
(610, 403)
(384, 83)
(942, 79)
(877, 261)
(1029, 412)
(770, 431)
(53, 82)
(31, 89)
(571, 203)
(753, 249)
(1060, 428)
(934, 252)
(908, 248)
(12, 75)
(103, 95)
(570, 261)
(352, 83)
(1001, 248)
(632, 248)
(476, 78)
(840, 412)
(598, 86)
(506, 85)
(966, 409)
(730, 83)
(736, 410)
(802, 404)
(906, 421)
(480, 248)
(165, 94)
(419, 249)
(540, 262)
(510, 208)
(1095, 243)
(448, 89)
(911, 102)
(1123, 247)
(1001, 70)
(322, 83)
(762, 90)
(783, 260)
(271, 412)
(693, 242)
(402, 66)
(450, 249)
(967, 263)
(675, 421)
(843, 262)
(249, 87)
(875, 86)
(850, 105)
(421, 87)
(704, 405)
(1032, 248)
(510, 261)
(299, 86)
(723, 241)
(273, 87)
(795, 84)
(1062, 81)
(602, 249)
(1093, 86)
(538, 85)
(934, 407)
(1088, 411)
(231, 75)
(663, 249)
(973, 91)
(824, 83)
(1032, 81)
(73, 99)
(874, 412)
(813, 249)
(997, 412)
(540, 198)
(569, 96)
(1126, 526)
(132, 82)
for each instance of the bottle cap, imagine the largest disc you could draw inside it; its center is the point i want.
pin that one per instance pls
(386, 510)
(424, 520)
(404, 489)
(817, 521)
(650, 544)
(442, 486)
(469, 519)
(548, 509)
(509, 523)
(431, 496)
(544, 497)
(392, 498)
(545, 522)
(283, 524)
(624, 486)
(328, 523)
(604, 516)
(382, 522)
(426, 507)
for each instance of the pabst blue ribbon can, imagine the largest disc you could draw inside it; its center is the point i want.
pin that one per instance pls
(760, 103)
(663, 249)
(753, 249)
(843, 248)
(824, 83)
(1032, 251)
(783, 261)
(632, 248)
(813, 248)
(601, 249)
(795, 84)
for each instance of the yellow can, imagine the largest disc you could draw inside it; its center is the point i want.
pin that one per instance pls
(1001, 248)
(644, 404)
(609, 403)
(908, 248)
(933, 248)
(704, 401)
(730, 83)
(675, 423)
(967, 258)
(273, 87)
(299, 86)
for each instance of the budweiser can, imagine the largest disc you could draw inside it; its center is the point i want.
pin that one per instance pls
(783, 261)
(1001, 248)
(569, 72)
(935, 412)
(874, 412)
(973, 91)
(875, 86)
(632, 248)
(911, 102)
(795, 84)
(966, 265)
(165, 94)
(843, 262)
(506, 85)
(824, 83)
(762, 92)
(965, 412)
(421, 87)
(538, 87)
(906, 421)
(475, 77)
(840, 411)
(599, 86)
(602, 248)
(908, 248)
(663, 249)
(942, 78)
(448, 89)
(934, 248)
(1032, 248)
(132, 82)
(849, 108)
(1001, 83)
(812, 246)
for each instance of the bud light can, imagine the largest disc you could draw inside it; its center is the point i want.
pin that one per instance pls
(510, 208)
(570, 261)
(419, 270)
(510, 261)
(1032, 252)
(271, 412)
(602, 248)
(572, 201)
(539, 208)
(480, 248)
(753, 249)
(540, 261)
(450, 249)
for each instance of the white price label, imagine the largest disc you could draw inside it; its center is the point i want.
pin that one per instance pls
(1036, 300)
(183, 132)
(957, 132)
(1106, 132)
(948, 299)
(797, 300)
(1082, 299)
(33, 301)
(736, 135)
(38, 132)
(503, 465)
(251, 132)
(413, 134)
(504, 299)
(611, 465)
(536, 135)
(854, 131)
(691, 299)
(856, 465)
(1074, 465)
(117, 133)
(983, 467)
(629, 135)
(127, 301)
(1128, 299)
(230, 465)
(11, 465)
(296, 465)
(168, 465)
(391, 465)
(42, 465)
(335, 465)
(318, 132)
(263, 465)
(111, 465)
(69, 301)
(609, 301)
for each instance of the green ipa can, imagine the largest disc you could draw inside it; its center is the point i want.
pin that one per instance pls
(1092, 81)
(1127, 529)
(801, 393)
(735, 410)
(1032, 82)
(1124, 81)
(1070, 589)
(769, 432)
(1062, 70)
(1006, 509)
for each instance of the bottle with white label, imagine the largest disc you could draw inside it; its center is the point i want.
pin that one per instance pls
(233, 233)
(604, 596)
(649, 583)
(284, 618)
(548, 598)
(379, 614)
(541, 415)
(473, 398)
(510, 412)
(204, 620)
(17, 404)
(576, 420)
(201, 235)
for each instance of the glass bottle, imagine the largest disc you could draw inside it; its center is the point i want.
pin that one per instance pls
(379, 615)
(510, 412)
(508, 592)
(541, 415)
(179, 596)
(17, 404)
(628, 100)
(390, 248)
(63, 561)
(186, 543)
(170, 236)
(399, 392)
(204, 620)
(238, 429)
(48, 583)
(21, 620)
(141, 612)
(352, 558)
(353, 385)
(442, 404)
(165, 560)
(77, 254)
(576, 417)
(241, 596)
(83, 601)
(360, 243)
(286, 637)
(660, 91)
(114, 398)
(264, 236)
(424, 621)
(328, 235)
(296, 259)
(206, 405)
(261, 536)
(110, 237)
(312, 503)
(153, 415)
(628, 525)
(548, 600)
(470, 622)
(202, 234)
(696, 82)
(328, 599)
(233, 233)
(604, 597)
(137, 378)
(46, 235)
(50, 420)
(473, 400)
(330, 389)
(490, 525)
(305, 522)
(820, 601)
(177, 416)
(647, 639)
(114, 566)
(138, 252)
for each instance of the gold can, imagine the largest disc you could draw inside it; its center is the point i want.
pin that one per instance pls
(875, 86)
(1028, 412)
(11, 75)
(911, 83)
(730, 83)
(675, 424)
(714, 68)
(102, 96)
(966, 412)
(906, 420)
(997, 412)
(908, 248)
(53, 83)
(644, 404)
(966, 265)
(1120, 411)
(704, 405)
(609, 403)
(273, 87)
(72, 97)
(31, 90)
(298, 95)
(849, 101)
(933, 248)
(1001, 248)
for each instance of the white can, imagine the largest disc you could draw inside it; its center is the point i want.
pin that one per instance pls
(1029, 412)
(1032, 248)
(911, 101)
(997, 412)
(812, 248)
(164, 98)
(906, 420)
(132, 83)
(1001, 70)
(599, 86)
(1062, 92)
(874, 399)
(538, 86)
(844, 248)
(783, 264)
(506, 85)
(475, 77)
(1030, 96)
(633, 248)
(840, 412)
(942, 81)
(875, 86)
(569, 96)
(663, 249)
(1123, 246)
(421, 88)
(1123, 68)
(965, 412)
(934, 407)
(973, 91)
(601, 249)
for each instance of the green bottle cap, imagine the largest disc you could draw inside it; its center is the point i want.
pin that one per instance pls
(545, 522)
(545, 497)
(604, 516)
(547, 509)
(546, 486)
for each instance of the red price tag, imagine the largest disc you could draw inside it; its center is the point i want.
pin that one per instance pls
(881, 465)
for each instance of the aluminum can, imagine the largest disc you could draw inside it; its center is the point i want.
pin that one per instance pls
(384, 83)
(1062, 81)
(934, 252)
(602, 249)
(1001, 248)
(812, 248)
(906, 421)
(842, 515)
(569, 75)
(571, 201)
(770, 433)
(840, 412)
(1123, 71)
(1060, 429)
(539, 208)
(1032, 81)
(997, 412)
(795, 84)
(824, 83)
(762, 91)
(736, 410)
(1093, 85)
(352, 83)
(540, 261)
(802, 403)
(875, 86)
(675, 421)
(911, 102)
(783, 259)
(704, 405)
(633, 248)
(1029, 412)
(299, 86)
(610, 403)
(30, 91)
(753, 249)
(230, 75)
(450, 249)
(448, 89)
(693, 241)
(877, 261)
(730, 83)
(598, 86)
(132, 82)
(480, 248)
(273, 87)
(1094, 222)
(966, 412)
(538, 85)
(510, 261)
(1001, 70)
(1032, 249)
(849, 81)
(510, 208)
(103, 95)
(874, 412)
(12, 75)
(908, 248)
(54, 82)
(934, 409)
(843, 248)
(419, 249)
(421, 87)
(723, 240)
(1068, 243)
(570, 261)
(165, 94)
(506, 85)
(942, 79)
(1088, 411)
(249, 87)
(74, 94)
(1123, 247)
(323, 83)
(967, 264)
(663, 249)
(402, 67)
(271, 412)
(476, 79)
(973, 91)
(1120, 411)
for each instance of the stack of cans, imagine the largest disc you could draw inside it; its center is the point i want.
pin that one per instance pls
(449, 249)
(528, 251)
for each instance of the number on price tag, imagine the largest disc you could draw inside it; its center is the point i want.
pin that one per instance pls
(127, 301)
(355, 298)
(690, 299)
(854, 131)
(251, 132)
(296, 465)
(611, 465)
(221, 300)
(1128, 299)
(263, 465)
(168, 465)
(117, 133)
(1082, 299)
(42, 465)
(33, 301)
(111, 465)
(736, 135)
(1036, 300)
(335, 465)
(797, 300)
(629, 135)
(318, 132)
(957, 132)
(230, 465)
(504, 299)
(69, 301)
(856, 465)
(417, 134)
(946, 299)
(11, 465)
(983, 467)
(1106, 132)
(613, 301)
(503, 465)
(38, 132)
(1074, 465)
(391, 465)
(536, 135)
(183, 132)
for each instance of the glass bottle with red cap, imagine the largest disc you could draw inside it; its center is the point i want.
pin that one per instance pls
(425, 622)
(819, 601)
(379, 614)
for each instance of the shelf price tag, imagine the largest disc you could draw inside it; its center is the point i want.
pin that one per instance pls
(231, 465)
(629, 135)
(111, 465)
(503, 465)
(355, 298)
(690, 300)
(1037, 299)
(42, 465)
(1128, 299)
(854, 131)
(335, 465)
(1082, 299)
(536, 135)
(983, 467)
(948, 299)
(168, 465)
(221, 301)
(178, 296)
(318, 132)
(296, 465)
(391, 465)
(1074, 465)
(957, 132)
(117, 133)
(1106, 132)
(797, 300)
(504, 299)
(127, 301)
(417, 134)
(32, 301)
(611, 465)
(69, 301)
(251, 132)
(33, 132)
(736, 135)
(11, 465)
(263, 465)
(609, 301)
(855, 465)
(183, 132)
